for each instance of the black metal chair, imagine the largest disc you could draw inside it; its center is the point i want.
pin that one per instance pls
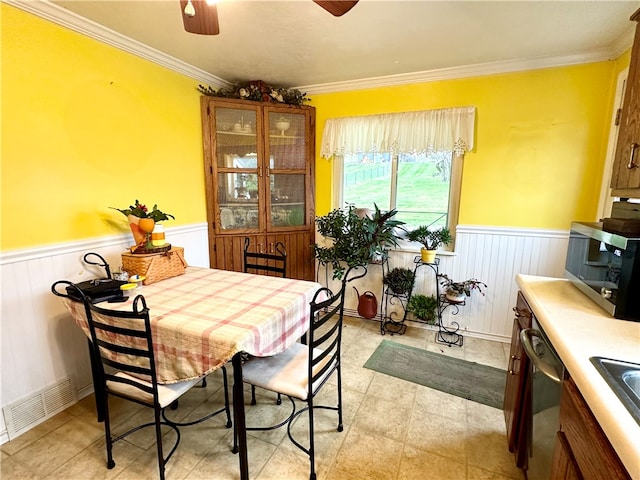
(123, 356)
(301, 371)
(274, 263)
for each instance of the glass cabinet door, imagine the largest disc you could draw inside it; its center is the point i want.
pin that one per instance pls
(259, 166)
(287, 152)
(237, 166)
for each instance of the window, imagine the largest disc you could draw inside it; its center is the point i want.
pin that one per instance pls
(419, 186)
(411, 162)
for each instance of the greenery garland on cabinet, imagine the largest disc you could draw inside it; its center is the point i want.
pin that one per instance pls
(258, 91)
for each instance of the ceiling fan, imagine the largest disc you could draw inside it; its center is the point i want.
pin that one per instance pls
(201, 16)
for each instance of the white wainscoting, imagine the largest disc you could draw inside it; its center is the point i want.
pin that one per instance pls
(40, 343)
(495, 256)
(492, 255)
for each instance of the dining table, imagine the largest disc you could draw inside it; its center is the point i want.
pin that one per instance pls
(207, 317)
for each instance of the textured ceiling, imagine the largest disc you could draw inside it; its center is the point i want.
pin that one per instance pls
(297, 43)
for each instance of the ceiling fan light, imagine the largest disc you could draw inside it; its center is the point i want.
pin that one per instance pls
(190, 10)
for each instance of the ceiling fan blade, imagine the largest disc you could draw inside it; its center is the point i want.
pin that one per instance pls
(337, 8)
(205, 20)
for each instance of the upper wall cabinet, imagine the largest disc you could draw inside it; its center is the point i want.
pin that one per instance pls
(259, 173)
(625, 180)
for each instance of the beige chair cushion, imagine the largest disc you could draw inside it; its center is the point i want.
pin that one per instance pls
(284, 373)
(166, 393)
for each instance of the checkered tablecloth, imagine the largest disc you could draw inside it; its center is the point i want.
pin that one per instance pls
(204, 317)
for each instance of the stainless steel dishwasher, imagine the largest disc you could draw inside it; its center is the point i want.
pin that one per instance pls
(546, 383)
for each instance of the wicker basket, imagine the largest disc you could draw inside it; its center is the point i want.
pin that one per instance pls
(155, 266)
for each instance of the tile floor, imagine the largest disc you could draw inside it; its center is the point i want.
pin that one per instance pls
(393, 429)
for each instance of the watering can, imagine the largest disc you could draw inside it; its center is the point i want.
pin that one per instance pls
(367, 304)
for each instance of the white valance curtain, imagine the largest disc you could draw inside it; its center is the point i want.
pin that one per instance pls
(447, 129)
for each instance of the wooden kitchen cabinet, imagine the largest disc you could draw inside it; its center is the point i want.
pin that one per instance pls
(259, 161)
(564, 465)
(625, 179)
(517, 388)
(582, 450)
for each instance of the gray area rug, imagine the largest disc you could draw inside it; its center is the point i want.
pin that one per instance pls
(470, 380)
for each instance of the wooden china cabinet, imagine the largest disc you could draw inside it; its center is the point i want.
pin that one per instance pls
(625, 180)
(259, 161)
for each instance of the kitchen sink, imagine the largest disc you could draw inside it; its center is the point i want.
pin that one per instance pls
(624, 379)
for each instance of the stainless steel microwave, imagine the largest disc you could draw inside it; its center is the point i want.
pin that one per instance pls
(606, 267)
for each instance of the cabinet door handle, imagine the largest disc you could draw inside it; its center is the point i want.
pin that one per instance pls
(271, 248)
(259, 171)
(632, 156)
(511, 365)
(521, 312)
(260, 248)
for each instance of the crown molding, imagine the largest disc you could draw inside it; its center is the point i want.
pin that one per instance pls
(65, 18)
(68, 19)
(476, 70)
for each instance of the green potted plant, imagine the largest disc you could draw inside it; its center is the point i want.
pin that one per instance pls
(143, 223)
(430, 240)
(423, 307)
(399, 280)
(355, 240)
(456, 292)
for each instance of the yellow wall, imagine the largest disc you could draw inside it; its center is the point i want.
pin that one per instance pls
(85, 127)
(540, 140)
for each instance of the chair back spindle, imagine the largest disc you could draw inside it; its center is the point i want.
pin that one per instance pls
(272, 263)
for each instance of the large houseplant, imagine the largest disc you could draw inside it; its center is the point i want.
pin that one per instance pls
(430, 240)
(355, 240)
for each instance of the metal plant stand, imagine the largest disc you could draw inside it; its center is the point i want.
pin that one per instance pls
(392, 324)
(389, 323)
(390, 320)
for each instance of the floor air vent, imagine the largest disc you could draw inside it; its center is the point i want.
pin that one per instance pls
(25, 414)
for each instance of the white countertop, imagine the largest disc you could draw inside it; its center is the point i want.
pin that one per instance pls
(580, 329)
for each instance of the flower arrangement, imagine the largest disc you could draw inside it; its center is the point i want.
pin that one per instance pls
(258, 91)
(141, 211)
(143, 223)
